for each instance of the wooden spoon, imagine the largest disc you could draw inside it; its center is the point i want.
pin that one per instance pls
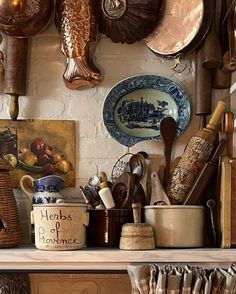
(168, 132)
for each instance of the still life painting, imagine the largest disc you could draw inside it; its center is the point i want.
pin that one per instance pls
(39, 148)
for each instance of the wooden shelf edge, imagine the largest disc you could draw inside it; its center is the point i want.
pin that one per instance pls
(28, 258)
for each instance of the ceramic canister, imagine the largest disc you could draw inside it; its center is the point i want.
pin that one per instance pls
(176, 225)
(105, 226)
(60, 226)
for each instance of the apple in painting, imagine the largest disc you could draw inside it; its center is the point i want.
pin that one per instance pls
(49, 150)
(38, 146)
(49, 169)
(43, 158)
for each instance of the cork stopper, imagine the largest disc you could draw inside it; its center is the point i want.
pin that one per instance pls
(103, 185)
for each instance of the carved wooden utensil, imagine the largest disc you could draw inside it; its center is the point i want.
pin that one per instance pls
(20, 19)
(123, 190)
(168, 132)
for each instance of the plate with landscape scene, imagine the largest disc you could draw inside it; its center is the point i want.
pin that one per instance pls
(134, 108)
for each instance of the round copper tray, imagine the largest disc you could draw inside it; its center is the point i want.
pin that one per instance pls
(169, 48)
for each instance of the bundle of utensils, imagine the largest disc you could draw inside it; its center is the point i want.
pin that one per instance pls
(183, 181)
(123, 188)
(133, 181)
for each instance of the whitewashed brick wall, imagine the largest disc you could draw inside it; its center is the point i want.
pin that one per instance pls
(48, 98)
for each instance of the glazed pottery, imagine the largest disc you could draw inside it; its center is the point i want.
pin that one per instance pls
(60, 226)
(179, 226)
(105, 226)
(43, 190)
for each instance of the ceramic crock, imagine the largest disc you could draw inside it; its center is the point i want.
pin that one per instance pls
(105, 226)
(60, 226)
(177, 226)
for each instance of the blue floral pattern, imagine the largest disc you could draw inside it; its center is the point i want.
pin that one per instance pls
(123, 115)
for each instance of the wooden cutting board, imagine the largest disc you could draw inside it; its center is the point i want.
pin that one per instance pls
(225, 202)
(233, 201)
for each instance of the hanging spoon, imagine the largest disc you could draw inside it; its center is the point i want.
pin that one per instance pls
(168, 132)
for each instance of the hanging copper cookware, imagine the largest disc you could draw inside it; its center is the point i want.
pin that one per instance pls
(127, 21)
(20, 19)
(24, 18)
(181, 28)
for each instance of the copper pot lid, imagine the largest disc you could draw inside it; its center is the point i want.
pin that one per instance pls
(179, 24)
(24, 18)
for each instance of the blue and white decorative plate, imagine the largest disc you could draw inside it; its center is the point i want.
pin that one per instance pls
(134, 108)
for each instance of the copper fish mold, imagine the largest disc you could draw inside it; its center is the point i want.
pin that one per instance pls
(77, 21)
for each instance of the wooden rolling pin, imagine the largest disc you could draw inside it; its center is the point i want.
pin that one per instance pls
(211, 50)
(208, 58)
(203, 90)
(196, 154)
(15, 71)
(204, 177)
(222, 76)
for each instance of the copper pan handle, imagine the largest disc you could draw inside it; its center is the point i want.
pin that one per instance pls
(15, 71)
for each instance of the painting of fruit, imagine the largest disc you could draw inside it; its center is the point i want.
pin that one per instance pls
(44, 158)
(45, 147)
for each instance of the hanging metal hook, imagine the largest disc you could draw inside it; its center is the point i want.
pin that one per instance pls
(178, 66)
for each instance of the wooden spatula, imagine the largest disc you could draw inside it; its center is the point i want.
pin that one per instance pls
(168, 132)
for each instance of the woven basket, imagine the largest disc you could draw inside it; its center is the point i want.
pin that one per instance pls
(10, 233)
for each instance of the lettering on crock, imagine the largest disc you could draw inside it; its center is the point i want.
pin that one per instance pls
(54, 234)
(54, 216)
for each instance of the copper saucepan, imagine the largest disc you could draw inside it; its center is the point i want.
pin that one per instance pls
(182, 27)
(24, 18)
(20, 19)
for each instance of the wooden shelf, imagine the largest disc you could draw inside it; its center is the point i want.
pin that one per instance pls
(28, 258)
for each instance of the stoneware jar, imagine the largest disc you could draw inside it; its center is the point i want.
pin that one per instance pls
(43, 190)
(179, 226)
(60, 226)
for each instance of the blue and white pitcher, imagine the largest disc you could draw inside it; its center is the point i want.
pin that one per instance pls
(43, 190)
